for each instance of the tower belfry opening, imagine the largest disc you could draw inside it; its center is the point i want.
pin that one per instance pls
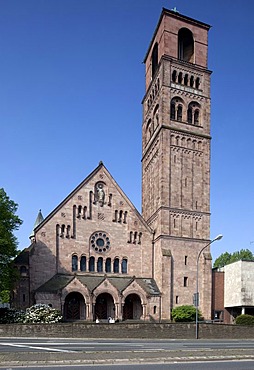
(185, 45)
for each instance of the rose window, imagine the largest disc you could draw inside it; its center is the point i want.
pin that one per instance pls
(100, 242)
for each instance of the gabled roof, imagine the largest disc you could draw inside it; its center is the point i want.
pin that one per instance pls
(22, 258)
(60, 281)
(56, 283)
(83, 183)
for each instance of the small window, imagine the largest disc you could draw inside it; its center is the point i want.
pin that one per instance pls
(83, 263)
(186, 79)
(100, 264)
(154, 309)
(186, 260)
(197, 84)
(124, 266)
(189, 115)
(172, 111)
(179, 113)
(74, 263)
(174, 76)
(108, 265)
(23, 270)
(24, 297)
(154, 59)
(91, 264)
(180, 78)
(185, 281)
(192, 81)
(196, 117)
(177, 299)
(116, 265)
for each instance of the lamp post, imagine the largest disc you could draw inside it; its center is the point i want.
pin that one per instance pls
(218, 237)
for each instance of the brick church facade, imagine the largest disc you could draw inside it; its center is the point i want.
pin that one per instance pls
(95, 255)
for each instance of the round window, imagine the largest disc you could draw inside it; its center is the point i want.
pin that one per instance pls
(100, 242)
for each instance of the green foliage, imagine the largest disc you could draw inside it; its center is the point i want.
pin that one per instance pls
(184, 314)
(38, 313)
(9, 222)
(226, 258)
(11, 316)
(5, 296)
(244, 320)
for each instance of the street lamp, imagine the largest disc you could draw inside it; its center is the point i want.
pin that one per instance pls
(196, 296)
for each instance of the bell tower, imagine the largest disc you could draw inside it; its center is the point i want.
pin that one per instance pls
(176, 158)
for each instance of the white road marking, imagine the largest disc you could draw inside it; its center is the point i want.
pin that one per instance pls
(35, 347)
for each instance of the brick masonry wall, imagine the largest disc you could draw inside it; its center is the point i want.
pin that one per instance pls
(123, 330)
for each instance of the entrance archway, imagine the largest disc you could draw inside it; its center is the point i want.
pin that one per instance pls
(132, 309)
(104, 307)
(74, 307)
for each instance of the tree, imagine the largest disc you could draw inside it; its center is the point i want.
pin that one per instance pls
(9, 222)
(184, 313)
(226, 258)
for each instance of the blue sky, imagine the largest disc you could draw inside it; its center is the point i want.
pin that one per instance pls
(71, 85)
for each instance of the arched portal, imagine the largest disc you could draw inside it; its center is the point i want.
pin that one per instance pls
(132, 309)
(74, 307)
(104, 307)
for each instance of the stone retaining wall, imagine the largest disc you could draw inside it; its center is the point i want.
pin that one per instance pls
(128, 330)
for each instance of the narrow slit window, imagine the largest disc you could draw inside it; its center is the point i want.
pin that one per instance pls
(185, 281)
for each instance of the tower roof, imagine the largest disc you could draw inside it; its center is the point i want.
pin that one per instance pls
(38, 220)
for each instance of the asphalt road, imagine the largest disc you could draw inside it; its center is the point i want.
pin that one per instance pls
(46, 351)
(225, 365)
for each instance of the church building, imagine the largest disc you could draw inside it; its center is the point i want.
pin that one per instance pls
(95, 256)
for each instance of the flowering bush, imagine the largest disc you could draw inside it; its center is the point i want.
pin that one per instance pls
(42, 313)
(38, 313)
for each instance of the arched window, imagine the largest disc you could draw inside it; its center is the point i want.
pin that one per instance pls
(83, 263)
(23, 270)
(62, 230)
(79, 211)
(174, 76)
(197, 84)
(100, 264)
(172, 110)
(91, 264)
(108, 265)
(196, 117)
(124, 266)
(186, 79)
(193, 113)
(185, 45)
(192, 81)
(180, 78)
(189, 115)
(179, 113)
(156, 117)
(154, 59)
(74, 263)
(148, 130)
(176, 109)
(116, 265)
